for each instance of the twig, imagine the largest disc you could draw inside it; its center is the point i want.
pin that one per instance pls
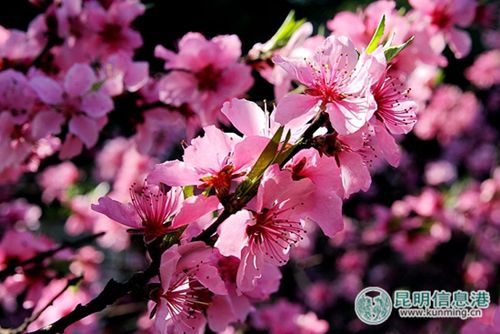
(40, 257)
(109, 295)
(22, 328)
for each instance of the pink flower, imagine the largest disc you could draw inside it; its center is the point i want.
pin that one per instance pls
(336, 81)
(25, 129)
(300, 45)
(440, 172)
(485, 72)
(272, 224)
(81, 101)
(161, 131)
(204, 73)
(351, 155)
(319, 295)
(489, 323)
(443, 16)
(56, 180)
(120, 73)
(360, 26)
(285, 317)
(152, 209)
(449, 113)
(19, 213)
(479, 274)
(63, 305)
(394, 108)
(211, 161)
(22, 47)
(189, 282)
(110, 28)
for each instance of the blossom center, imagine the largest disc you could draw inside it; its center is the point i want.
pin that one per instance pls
(440, 18)
(272, 235)
(208, 78)
(153, 205)
(111, 33)
(186, 298)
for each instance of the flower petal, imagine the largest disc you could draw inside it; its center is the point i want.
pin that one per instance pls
(121, 213)
(79, 79)
(48, 90)
(96, 104)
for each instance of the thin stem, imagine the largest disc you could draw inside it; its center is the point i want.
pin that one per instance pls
(109, 295)
(22, 328)
(40, 257)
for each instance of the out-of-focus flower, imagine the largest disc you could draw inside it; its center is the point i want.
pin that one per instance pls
(485, 72)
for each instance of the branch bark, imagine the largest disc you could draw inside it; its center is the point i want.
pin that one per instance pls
(40, 257)
(109, 295)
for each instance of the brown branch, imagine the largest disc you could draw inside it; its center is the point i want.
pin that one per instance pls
(22, 328)
(109, 295)
(40, 257)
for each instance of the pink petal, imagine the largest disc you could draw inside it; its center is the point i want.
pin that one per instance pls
(174, 173)
(96, 104)
(219, 314)
(168, 265)
(177, 88)
(85, 128)
(209, 153)
(71, 147)
(45, 123)
(296, 108)
(459, 42)
(136, 76)
(386, 145)
(232, 234)
(327, 212)
(247, 151)
(230, 49)
(48, 90)
(246, 116)
(121, 213)
(355, 174)
(298, 69)
(346, 117)
(194, 208)
(249, 270)
(79, 79)
(210, 278)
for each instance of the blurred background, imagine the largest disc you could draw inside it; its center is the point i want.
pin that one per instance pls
(431, 224)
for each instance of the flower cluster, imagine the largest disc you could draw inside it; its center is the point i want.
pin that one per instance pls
(229, 201)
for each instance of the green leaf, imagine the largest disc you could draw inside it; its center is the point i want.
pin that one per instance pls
(285, 31)
(322, 30)
(97, 85)
(267, 156)
(188, 191)
(285, 150)
(393, 51)
(377, 36)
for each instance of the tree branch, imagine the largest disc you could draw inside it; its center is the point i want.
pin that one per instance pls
(22, 328)
(40, 257)
(109, 295)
